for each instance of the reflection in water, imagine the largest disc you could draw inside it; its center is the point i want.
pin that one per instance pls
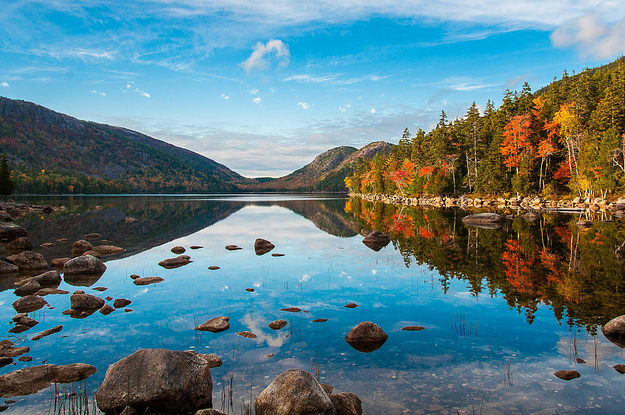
(468, 294)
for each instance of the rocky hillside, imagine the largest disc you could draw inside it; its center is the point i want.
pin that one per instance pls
(55, 153)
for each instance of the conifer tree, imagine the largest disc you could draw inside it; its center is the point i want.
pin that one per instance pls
(7, 186)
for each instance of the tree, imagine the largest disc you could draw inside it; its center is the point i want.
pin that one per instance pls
(7, 185)
(516, 143)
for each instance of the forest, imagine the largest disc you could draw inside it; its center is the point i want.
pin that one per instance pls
(565, 139)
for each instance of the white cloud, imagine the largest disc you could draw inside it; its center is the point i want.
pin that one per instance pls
(142, 93)
(372, 110)
(93, 91)
(224, 96)
(257, 58)
(5, 84)
(343, 109)
(303, 105)
(128, 86)
(592, 36)
(257, 100)
(311, 79)
(253, 91)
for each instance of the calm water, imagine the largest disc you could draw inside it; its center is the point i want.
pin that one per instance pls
(503, 309)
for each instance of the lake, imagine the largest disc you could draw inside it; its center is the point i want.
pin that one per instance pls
(503, 309)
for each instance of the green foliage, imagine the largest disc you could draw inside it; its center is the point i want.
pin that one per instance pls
(7, 185)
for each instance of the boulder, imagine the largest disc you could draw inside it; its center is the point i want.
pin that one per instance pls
(179, 261)
(81, 265)
(484, 220)
(215, 325)
(21, 243)
(29, 303)
(8, 268)
(79, 247)
(178, 250)
(246, 334)
(27, 289)
(50, 279)
(33, 379)
(294, 392)
(92, 253)
(209, 412)
(277, 324)
(47, 291)
(121, 302)
(162, 380)
(351, 305)
(567, 374)
(262, 246)
(59, 262)
(23, 319)
(7, 349)
(86, 302)
(106, 309)
(147, 280)
(366, 337)
(29, 260)
(106, 250)
(614, 330)
(346, 403)
(10, 231)
(376, 240)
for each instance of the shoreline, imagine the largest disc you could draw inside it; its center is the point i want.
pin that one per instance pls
(577, 205)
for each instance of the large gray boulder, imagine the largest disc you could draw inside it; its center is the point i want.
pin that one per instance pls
(159, 379)
(294, 392)
(86, 264)
(29, 260)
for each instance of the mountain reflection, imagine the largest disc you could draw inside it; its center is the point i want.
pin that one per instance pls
(578, 273)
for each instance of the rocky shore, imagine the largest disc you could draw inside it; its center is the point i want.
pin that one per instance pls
(578, 204)
(11, 210)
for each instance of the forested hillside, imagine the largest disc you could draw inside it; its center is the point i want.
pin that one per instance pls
(567, 138)
(51, 152)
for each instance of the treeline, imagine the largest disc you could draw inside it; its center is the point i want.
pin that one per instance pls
(567, 138)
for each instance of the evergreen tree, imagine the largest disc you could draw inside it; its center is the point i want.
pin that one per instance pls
(7, 186)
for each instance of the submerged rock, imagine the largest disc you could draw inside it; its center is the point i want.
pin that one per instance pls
(294, 392)
(29, 260)
(10, 231)
(33, 379)
(21, 243)
(106, 250)
(179, 261)
(291, 309)
(320, 320)
(29, 303)
(277, 324)
(162, 380)
(376, 240)
(246, 334)
(484, 220)
(346, 403)
(121, 302)
(79, 247)
(366, 337)
(178, 250)
(93, 235)
(147, 280)
(413, 328)
(59, 262)
(263, 246)
(233, 247)
(567, 374)
(47, 332)
(8, 349)
(86, 302)
(215, 325)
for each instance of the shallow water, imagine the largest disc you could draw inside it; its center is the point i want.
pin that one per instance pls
(502, 309)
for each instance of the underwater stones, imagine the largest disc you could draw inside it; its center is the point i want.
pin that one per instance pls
(484, 220)
(294, 392)
(246, 334)
(147, 280)
(80, 247)
(162, 380)
(121, 302)
(291, 309)
(106, 250)
(178, 250)
(215, 325)
(351, 305)
(32, 379)
(47, 332)
(29, 260)
(413, 328)
(172, 263)
(376, 240)
(262, 246)
(346, 403)
(366, 337)
(29, 303)
(567, 374)
(277, 324)
(86, 302)
(233, 247)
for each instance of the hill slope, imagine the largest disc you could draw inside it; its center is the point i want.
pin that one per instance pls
(55, 153)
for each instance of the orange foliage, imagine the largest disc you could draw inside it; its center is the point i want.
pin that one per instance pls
(516, 142)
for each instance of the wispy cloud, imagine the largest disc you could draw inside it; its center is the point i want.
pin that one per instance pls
(5, 85)
(257, 100)
(304, 105)
(93, 91)
(253, 91)
(332, 79)
(592, 36)
(224, 96)
(343, 109)
(257, 59)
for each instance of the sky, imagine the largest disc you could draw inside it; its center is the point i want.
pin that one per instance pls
(264, 87)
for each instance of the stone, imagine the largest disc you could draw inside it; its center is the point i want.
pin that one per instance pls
(213, 267)
(47, 332)
(130, 219)
(567, 374)
(233, 247)
(619, 368)
(7, 349)
(484, 220)
(277, 324)
(127, 310)
(23, 319)
(121, 302)
(294, 392)
(93, 235)
(92, 253)
(79, 247)
(86, 302)
(270, 355)
(106, 250)
(327, 388)
(346, 403)
(366, 337)
(48, 291)
(277, 255)
(10, 231)
(8, 268)
(162, 380)
(134, 276)
(413, 328)
(291, 309)
(32, 379)
(196, 247)
(106, 309)
(249, 290)
(209, 412)
(51, 279)
(29, 303)
(27, 289)
(351, 305)
(21, 243)
(87, 264)
(179, 261)
(215, 325)
(320, 320)
(178, 250)
(376, 240)
(5, 361)
(25, 359)
(147, 280)
(29, 260)
(614, 330)
(262, 246)
(101, 289)
(246, 334)
(59, 262)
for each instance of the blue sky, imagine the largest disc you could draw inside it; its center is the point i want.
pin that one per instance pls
(263, 87)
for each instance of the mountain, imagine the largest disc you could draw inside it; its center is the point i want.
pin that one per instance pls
(326, 172)
(51, 152)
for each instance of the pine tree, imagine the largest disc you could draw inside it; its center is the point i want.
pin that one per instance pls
(7, 186)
